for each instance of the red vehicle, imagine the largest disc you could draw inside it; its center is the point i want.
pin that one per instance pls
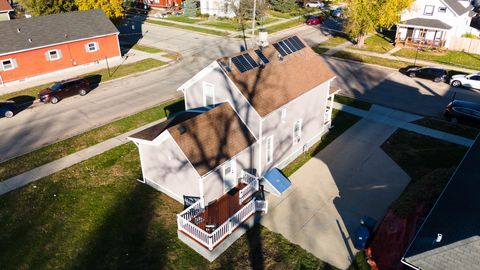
(314, 20)
(63, 89)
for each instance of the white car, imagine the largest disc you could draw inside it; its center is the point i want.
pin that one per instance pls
(472, 80)
(315, 4)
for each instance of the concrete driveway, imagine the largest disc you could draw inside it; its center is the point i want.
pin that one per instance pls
(350, 178)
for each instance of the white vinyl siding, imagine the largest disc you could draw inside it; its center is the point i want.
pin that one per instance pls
(269, 148)
(53, 55)
(92, 47)
(297, 131)
(208, 94)
(284, 113)
(8, 64)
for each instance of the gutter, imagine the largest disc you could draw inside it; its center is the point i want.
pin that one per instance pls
(409, 264)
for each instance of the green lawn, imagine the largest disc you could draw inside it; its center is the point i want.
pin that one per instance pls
(228, 25)
(95, 215)
(184, 19)
(268, 20)
(190, 28)
(428, 161)
(146, 48)
(334, 41)
(293, 13)
(63, 148)
(320, 50)
(104, 74)
(454, 58)
(452, 128)
(371, 59)
(379, 42)
(285, 25)
(341, 121)
(359, 104)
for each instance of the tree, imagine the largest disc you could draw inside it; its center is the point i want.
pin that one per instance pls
(365, 16)
(112, 8)
(190, 8)
(244, 10)
(46, 7)
(283, 5)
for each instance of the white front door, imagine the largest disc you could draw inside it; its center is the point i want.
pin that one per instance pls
(229, 174)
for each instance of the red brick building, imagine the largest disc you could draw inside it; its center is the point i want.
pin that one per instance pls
(45, 44)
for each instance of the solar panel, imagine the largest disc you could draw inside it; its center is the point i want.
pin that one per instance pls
(250, 60)
(279, 49)
(294, 43)
(262, 56)
(244, 62)
(285, 47)
(225, 66)
(239, 64)
(299, 42)
(291, 45)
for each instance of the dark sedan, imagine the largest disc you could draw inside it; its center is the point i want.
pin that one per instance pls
(63, 89)
(432, 73)
(463, 111)
(8, 109)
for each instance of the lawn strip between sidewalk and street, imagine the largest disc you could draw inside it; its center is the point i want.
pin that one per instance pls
(104, 74)
(76, 143)
(353, 102)
(188, 27)
(452, 128)
(371, 59)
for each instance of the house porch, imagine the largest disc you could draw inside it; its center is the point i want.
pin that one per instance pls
(414, 36)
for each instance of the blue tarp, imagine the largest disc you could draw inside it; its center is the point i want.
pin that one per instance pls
(277, 180)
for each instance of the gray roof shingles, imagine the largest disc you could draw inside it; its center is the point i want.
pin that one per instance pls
(457, 7)
(53, 29)
(455, 216)
(430, 23)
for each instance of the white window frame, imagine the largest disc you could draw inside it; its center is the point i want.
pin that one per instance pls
(269, 149)
(425, 10)
(295, 139)
(57, 52)
(228, 184)
(208, 86)
(284, 113)
(12, 64)
(95, 44)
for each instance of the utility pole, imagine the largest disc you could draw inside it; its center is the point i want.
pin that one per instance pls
(253, 22)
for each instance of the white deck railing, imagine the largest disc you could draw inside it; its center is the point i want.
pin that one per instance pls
(193, 210)
(210, 240)
(252, 186)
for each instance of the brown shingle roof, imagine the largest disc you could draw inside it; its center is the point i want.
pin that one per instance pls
(211, 138)
(152, 132)
(280, 81)
(5, 6)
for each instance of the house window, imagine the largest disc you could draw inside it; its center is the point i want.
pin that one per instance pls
(442, 9)
(284, 113)
(54, 55)
(229, 174)
(428, 10)
(91, 47)
(269, 148)
(297, 131)
(208, 94)
(8, 64)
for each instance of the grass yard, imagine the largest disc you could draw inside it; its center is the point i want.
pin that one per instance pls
(320, 50)
(452, 128)
(63, 148)
(379, 42)
(285, 25)
(147, 49)
(359, 104)
(268, 20)
(229, 25)
(334, 41)
(341, 121)
(461, 59)
(184, 19)
(429, 162)
(371, 59)
(293, 13)
(190, 28)
(95, 215)
(115, 72)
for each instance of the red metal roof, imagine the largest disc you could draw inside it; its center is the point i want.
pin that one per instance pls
(5, 6)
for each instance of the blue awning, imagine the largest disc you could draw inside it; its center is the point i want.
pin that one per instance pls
(276, 182)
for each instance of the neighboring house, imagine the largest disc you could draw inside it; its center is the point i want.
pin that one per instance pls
(159, 4)
(435, 23)
(40, 45)
(219, 8)
(246, 116)
(5, 10)
(449, 238)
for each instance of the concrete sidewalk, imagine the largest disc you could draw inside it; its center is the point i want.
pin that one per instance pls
(65, 162)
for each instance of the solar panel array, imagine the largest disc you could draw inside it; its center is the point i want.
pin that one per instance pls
(289, 45)
(244, 62)
(262, 56)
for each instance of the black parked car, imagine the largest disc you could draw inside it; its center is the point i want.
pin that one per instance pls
(432, 73)
(62, 89)
(463, 111)
(8, 108)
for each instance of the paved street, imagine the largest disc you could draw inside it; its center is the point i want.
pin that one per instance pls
(45, 124)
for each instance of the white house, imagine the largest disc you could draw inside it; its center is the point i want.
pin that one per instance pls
(219, 8)
(247, 115)
(435, 22)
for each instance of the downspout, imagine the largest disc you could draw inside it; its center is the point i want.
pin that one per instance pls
(1, 80)
(260, 138)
